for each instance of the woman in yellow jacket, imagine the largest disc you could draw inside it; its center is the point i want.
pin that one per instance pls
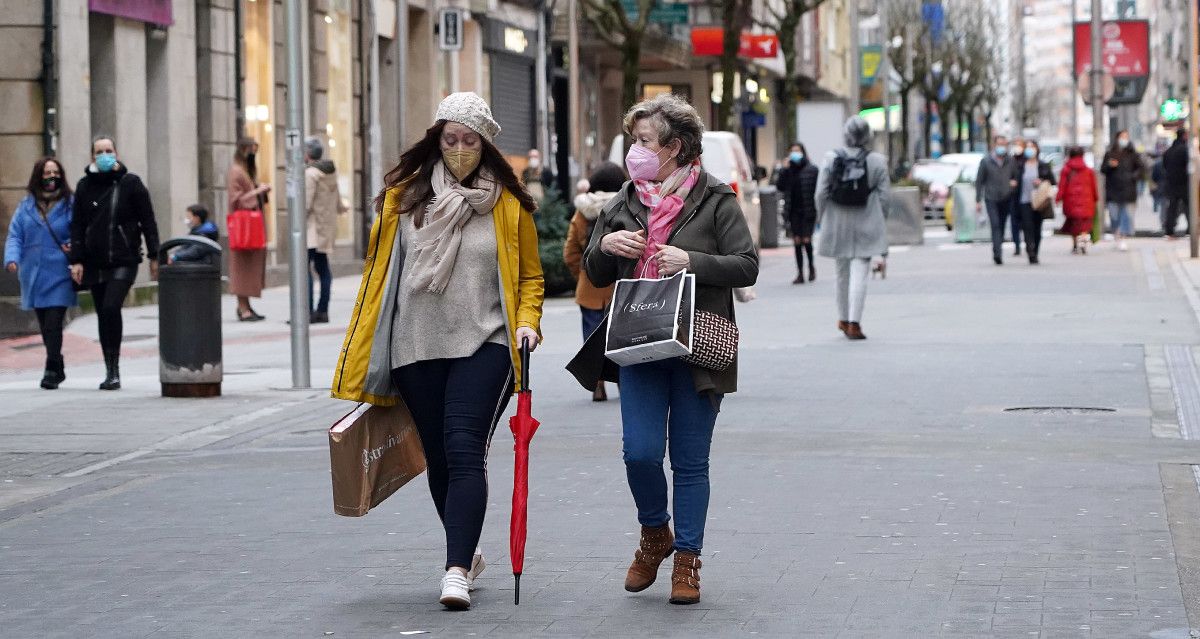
(452, 285)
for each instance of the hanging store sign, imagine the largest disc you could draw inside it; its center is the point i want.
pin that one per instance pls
(152, 11)
(710, 41)
(1124, 53)
(664, 13)
(450, 29)
(502, 37)
(871, 58)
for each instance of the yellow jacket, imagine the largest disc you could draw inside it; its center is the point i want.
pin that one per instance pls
(363, 372)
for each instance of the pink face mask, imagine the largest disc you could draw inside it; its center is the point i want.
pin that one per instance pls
(642, 163)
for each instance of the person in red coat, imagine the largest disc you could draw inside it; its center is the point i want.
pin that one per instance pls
(1078, 193)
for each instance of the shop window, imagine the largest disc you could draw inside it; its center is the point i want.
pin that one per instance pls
(339, 130)
(258, 96)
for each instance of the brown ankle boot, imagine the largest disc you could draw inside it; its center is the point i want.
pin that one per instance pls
(685, 578)
(854, 331)
(843, 326)
(657, 544)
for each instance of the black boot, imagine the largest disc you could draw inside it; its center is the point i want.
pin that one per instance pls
(55, 373)
(112, 379)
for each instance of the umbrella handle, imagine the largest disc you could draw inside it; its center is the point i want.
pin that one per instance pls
(524, 366)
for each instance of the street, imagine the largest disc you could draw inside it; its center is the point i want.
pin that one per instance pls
(1011, 453)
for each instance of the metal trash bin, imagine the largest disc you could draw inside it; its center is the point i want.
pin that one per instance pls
(770, 201)
(189, 322)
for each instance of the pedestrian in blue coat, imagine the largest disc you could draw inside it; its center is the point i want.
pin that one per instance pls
(36, 250)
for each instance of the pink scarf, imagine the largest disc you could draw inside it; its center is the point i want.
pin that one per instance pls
(665, 201)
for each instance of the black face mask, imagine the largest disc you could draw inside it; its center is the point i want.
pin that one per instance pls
(51, 184)
(250, 159)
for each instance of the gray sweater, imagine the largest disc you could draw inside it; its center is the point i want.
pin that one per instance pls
(463, 317)
(993, 182)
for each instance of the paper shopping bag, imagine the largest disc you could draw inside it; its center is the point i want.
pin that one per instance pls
(373, 451)
(651, 319)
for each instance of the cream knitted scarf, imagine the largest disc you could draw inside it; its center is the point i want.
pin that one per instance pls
(436, 243)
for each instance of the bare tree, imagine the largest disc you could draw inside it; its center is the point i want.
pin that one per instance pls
(786, 24)
(735, 17)
(624, 33)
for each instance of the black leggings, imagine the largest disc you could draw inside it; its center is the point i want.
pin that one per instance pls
(109, 296)
(456, 404)
(1032, 221)
(50, 321)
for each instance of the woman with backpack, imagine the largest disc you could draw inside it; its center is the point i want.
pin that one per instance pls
(1078, 194)
(851, 189)
(603, 184)
(36, 250)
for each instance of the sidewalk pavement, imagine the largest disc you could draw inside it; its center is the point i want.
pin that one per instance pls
(1011, 453)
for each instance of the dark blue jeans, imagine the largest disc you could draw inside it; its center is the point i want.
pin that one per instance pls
(320, 263)
(591, 320)
(456, 404)
(997, 212)
(1014, 213)
(659, 408)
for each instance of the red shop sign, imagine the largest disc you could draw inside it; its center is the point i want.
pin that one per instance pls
(710, 41)
(1125, 50)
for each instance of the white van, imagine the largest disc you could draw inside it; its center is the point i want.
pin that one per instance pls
(724, 156)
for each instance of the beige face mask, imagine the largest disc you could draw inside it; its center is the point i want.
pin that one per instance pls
(461, 161)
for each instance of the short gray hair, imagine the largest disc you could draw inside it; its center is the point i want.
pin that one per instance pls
(313, 147)
(674, 119)
(856, 132)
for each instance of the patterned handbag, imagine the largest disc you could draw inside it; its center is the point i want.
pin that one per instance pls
(714, 341)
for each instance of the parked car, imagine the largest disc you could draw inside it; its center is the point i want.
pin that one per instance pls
(935, 179)
(725, 157)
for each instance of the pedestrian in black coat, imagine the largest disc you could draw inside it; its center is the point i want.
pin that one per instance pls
(1175, 166)
(112, 214)
(797, 183)
(1123, 168)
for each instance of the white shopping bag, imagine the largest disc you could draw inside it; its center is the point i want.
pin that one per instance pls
(651, 319)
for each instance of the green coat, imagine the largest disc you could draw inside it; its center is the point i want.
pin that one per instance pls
(712, 229)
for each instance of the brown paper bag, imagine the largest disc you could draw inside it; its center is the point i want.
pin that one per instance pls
(373, 451)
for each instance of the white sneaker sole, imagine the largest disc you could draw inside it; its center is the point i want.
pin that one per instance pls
(477, 566)
(455, 602)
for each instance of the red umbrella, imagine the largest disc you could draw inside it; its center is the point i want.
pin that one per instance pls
(523, 426)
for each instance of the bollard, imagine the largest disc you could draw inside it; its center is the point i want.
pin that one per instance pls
(189, 322)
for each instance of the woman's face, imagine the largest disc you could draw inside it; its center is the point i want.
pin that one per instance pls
(51, 170)
(102, 146)
(645, 134)
(460, 137)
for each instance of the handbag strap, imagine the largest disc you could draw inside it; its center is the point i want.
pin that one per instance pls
(57, 242)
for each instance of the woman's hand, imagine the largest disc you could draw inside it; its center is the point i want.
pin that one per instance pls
(1037, 182)
(527, 336)
(264, 188)
(624, 244)
(671, 260)
(77, 273)
(12, 267)
(154, 270)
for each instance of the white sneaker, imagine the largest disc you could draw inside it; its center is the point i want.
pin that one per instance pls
(1122, 246)
(477, 566)
(456, 590)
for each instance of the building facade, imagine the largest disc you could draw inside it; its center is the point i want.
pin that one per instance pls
(177, 82)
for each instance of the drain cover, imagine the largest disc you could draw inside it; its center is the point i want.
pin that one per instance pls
(1060, 410)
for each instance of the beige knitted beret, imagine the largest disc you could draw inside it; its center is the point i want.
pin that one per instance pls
(469, 109)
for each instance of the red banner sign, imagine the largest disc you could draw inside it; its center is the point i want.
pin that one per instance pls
(1125, 49)
(152, 11)
(710, 41)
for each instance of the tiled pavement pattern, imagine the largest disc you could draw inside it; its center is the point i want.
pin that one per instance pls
(876, 489)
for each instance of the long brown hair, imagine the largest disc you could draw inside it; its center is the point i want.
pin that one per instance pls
(35, 178)
(416, 165)
(242, 157)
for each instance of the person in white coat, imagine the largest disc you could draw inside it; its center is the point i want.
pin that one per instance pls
(851, 191)
(323, 204)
